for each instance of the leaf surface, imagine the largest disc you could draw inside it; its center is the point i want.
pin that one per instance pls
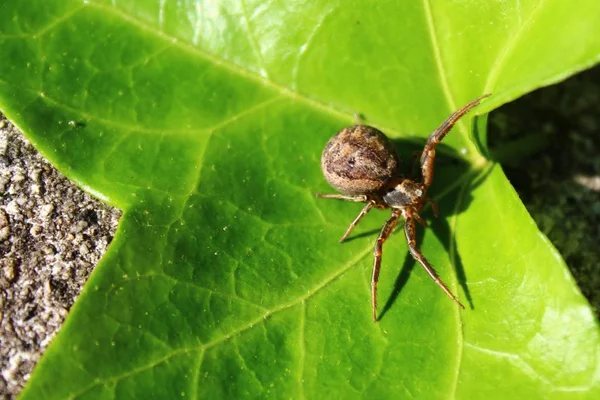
(205, 124)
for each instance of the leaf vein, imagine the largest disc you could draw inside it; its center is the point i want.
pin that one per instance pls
(527, 368)
(460, 125)
(454, 262)
(303, 49)
(196, 377)
(135, 371)
(254, 42)
(302, 345)
(338, 273)
(236, 69)
(44, 29)
(509, 47)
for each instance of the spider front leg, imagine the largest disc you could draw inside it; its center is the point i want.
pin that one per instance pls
(359, 198)
(386, 231)
(410, 233)
(428, 156)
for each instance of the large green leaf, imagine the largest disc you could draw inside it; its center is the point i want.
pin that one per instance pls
(205, 124)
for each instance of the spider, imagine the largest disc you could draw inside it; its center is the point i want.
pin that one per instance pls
(361, 163)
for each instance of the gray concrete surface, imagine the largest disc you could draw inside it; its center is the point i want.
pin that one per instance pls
(51, 236)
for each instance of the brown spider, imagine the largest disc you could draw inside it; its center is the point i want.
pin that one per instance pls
(360, 162)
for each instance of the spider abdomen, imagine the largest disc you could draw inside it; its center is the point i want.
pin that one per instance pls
(359, 160)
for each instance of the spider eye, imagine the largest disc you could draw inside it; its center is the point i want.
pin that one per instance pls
(351, 161)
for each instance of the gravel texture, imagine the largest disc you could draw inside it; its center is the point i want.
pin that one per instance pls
(51, 236)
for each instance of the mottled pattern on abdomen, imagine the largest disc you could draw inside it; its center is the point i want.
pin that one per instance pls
(359, 160)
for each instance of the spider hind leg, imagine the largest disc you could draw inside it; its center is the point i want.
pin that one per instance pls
(386, 231)
(409, 231)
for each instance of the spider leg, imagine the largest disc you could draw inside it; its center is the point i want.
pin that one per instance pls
(414, 162)
(420, 220)
(360, 198)
(428, 156)
(434, 207)
(363, 212)
(386, 231)
(409, 231)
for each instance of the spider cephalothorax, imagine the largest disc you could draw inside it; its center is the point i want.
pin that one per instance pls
(361, 163)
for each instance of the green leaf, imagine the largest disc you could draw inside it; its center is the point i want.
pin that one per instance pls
(205, 124)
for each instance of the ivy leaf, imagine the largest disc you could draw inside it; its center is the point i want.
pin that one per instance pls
(205, 124)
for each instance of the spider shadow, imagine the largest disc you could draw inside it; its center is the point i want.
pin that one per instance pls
(450, 168)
